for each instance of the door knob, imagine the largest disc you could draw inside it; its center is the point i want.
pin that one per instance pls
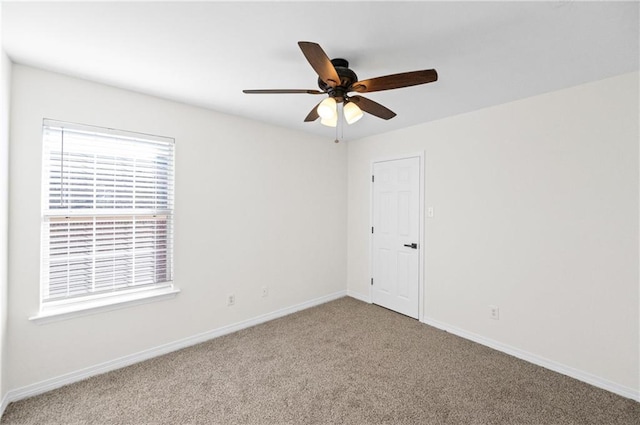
(412, 246)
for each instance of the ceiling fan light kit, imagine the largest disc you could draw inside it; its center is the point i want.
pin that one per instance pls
(336, 80)
(327, 108)
(328, 112)
(352, 112)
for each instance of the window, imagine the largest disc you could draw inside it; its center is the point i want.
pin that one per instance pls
(107, 216)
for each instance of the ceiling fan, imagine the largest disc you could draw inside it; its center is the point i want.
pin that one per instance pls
(336, 80)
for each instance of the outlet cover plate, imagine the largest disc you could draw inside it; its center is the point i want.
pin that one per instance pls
(494, 312)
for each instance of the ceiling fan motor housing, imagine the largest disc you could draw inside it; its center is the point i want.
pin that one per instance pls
(347, 78)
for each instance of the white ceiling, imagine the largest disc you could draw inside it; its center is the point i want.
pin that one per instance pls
(205, 53)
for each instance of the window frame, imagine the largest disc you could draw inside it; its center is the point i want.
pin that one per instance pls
(121, 294)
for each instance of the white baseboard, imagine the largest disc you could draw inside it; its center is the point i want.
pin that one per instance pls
(4, 404)
(358, 296)
(540, 361)
(69, 378)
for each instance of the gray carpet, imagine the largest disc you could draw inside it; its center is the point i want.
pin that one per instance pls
(345, 362)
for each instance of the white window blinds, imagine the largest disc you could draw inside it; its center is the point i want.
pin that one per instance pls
(107, 216)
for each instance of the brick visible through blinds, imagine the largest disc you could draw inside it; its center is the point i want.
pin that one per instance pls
(107, 212)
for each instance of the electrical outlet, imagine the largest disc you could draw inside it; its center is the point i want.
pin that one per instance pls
(265, 291)
(494, 312)
(430, 212)
(231, 300)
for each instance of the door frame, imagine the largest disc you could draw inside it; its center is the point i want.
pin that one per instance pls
(421, 223)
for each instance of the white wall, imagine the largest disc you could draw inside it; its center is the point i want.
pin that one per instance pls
(5, 88)
(256, 205)
(536, 211)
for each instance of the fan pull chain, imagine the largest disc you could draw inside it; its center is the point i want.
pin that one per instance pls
(342, 122)
(339, 123)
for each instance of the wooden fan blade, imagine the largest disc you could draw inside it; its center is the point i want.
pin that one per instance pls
(374, 108)
(395, 81)
(320, 62)
(282, 91)
(313, 114)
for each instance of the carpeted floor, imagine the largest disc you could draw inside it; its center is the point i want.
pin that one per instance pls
(344, 362)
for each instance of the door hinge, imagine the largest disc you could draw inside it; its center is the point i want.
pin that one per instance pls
(371, 229)
(372, 281)
(373, 178)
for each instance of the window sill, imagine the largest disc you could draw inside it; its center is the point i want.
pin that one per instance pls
(55, 314)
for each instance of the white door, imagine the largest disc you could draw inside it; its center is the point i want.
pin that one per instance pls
(396, 235)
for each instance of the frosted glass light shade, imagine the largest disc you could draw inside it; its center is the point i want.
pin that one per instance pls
(327, 108)
(330, 122)
(352, 112)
